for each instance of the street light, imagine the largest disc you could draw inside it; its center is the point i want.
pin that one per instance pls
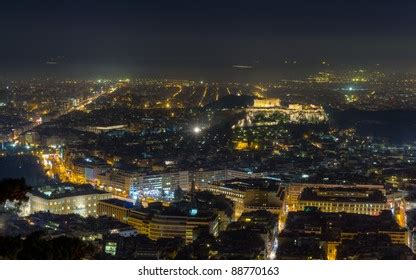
(197, 129)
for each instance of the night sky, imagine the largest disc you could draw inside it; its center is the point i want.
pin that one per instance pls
(203, 39)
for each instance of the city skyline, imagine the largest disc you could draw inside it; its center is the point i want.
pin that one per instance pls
(220, 131)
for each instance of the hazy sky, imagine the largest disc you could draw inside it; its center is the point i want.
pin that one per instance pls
(203, 39)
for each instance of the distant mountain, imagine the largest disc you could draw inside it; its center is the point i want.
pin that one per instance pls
(231, 102)
(397, 125)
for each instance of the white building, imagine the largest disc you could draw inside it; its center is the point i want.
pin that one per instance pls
(66, 199)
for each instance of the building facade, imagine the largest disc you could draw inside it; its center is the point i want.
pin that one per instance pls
(348, 200)
(66, 199)
(250, 195)
(358, 199)
(161, 222)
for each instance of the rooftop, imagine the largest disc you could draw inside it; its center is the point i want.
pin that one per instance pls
(343, 195)
(330, 225)
(120, 203)
(64, 190)
(90, 161)
(249, 184)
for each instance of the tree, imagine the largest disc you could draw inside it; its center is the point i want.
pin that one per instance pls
(178, 193)
(13, 189)
(38, 246)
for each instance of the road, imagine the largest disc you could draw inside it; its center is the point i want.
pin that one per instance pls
(80, 106)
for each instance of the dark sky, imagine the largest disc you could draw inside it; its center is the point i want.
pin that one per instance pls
(203, 39)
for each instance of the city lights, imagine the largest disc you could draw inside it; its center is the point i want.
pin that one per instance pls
(134, 130)
(197, 129)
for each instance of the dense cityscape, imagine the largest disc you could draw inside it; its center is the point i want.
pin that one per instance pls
(320, 168)
(207, 130)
